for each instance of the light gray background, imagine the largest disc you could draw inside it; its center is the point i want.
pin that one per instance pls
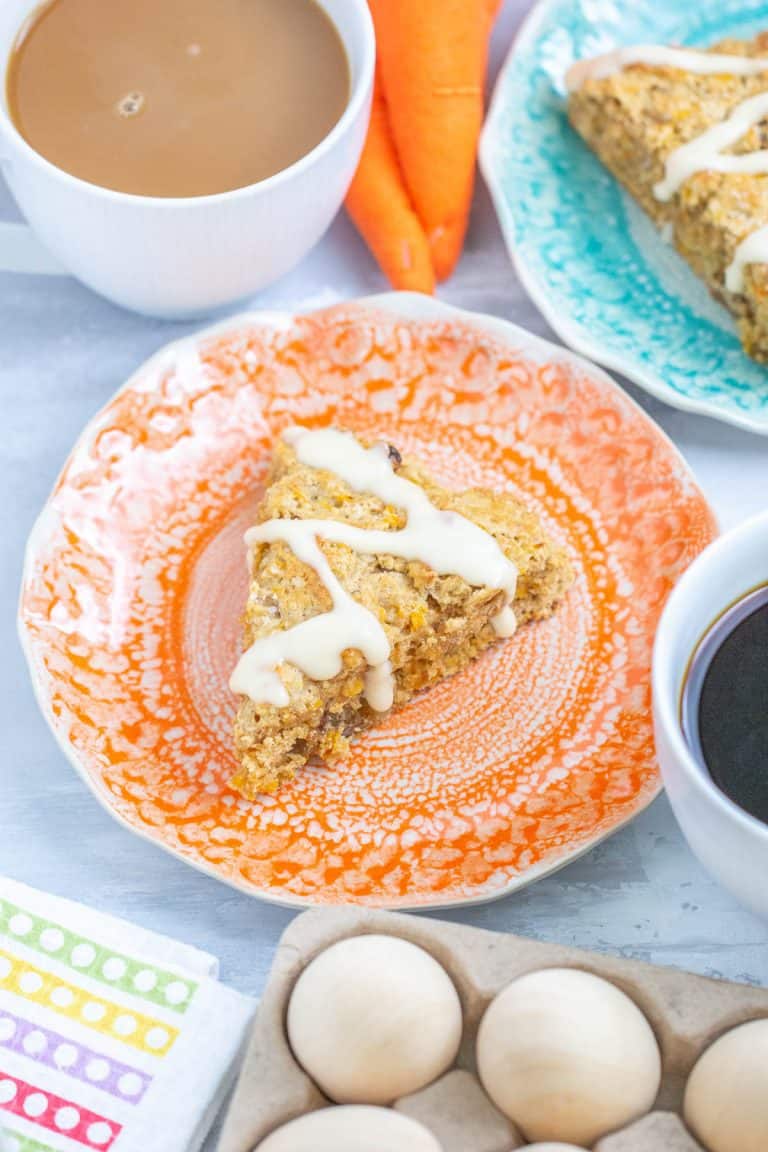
(63, 352)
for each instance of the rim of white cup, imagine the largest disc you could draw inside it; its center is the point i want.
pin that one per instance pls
(666, 703)
(357, 99)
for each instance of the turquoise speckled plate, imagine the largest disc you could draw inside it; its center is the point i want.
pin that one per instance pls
(586, 253)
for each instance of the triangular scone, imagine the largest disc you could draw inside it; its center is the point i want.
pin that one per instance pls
(435, 624)
(651, 124)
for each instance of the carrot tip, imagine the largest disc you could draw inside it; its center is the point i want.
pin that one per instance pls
(445, 245)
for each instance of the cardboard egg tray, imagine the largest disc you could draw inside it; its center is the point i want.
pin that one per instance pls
(686, 1012)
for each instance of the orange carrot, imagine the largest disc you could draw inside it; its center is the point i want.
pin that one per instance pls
(433, 56)
(380, 206)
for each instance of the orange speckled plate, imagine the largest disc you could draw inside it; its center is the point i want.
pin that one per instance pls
(135, 581)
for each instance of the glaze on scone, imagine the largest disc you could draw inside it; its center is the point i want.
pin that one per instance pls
(435, 624)
(636, 117)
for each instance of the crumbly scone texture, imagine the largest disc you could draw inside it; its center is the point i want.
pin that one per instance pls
(636, 118)
(435, 624)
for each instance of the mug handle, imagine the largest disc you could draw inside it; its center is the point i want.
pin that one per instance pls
(21, 251)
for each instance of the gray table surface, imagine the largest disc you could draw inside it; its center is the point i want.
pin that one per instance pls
(63, 352)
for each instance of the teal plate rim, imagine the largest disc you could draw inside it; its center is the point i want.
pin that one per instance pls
(590, 259)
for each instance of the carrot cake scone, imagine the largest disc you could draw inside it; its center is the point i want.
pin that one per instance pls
(686, 132)
(368, 583)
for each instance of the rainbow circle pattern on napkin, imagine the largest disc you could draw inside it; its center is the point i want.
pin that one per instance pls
(83, 1031)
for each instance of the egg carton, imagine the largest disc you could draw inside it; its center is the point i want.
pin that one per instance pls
(686, 1012)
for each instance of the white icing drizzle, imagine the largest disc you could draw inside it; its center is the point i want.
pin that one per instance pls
(316, 645)
(380, 687)
(752, 250)
(445, 541)
(705, 152)
(661, 56)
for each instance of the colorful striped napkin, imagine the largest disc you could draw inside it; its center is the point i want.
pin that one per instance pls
(112, 1039)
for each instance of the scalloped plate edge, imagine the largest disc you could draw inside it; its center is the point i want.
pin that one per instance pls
(573, 333)
(408, 306)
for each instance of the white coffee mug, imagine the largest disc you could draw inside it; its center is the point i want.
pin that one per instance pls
(730, 843)
(180, 257)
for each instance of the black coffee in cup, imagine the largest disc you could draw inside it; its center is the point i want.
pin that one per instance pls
(725, 703)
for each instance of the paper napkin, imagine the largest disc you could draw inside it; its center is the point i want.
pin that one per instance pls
(112, 1039)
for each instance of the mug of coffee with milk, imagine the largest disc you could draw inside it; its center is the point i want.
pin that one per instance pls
(178, 157)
